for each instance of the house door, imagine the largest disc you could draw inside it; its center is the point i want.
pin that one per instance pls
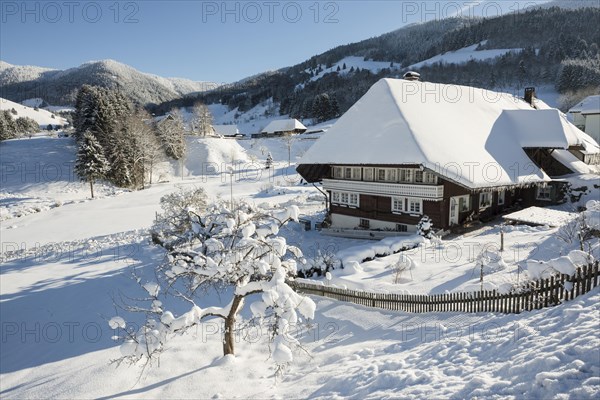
(454, 204)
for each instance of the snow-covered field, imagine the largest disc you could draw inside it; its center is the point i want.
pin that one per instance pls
(65, 257)
(464, 55)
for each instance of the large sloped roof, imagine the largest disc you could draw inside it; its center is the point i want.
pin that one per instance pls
(472, 136)
(283, 125)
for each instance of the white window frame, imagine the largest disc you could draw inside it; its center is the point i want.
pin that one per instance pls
(398, 201)
(348, 173)
(402, 227)
(544, 193)
(335, 197)
(405, 175)
(414, 202)
(378, 174)
(501, 197)
(484, 205)
(338, 173)
(356, 173)
(391, 175)
(369, 174)
(419, 176)
(430, 178)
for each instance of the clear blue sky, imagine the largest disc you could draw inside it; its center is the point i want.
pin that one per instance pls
(206, 40)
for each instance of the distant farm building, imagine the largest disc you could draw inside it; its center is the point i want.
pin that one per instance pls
(284, 127)
(227, 130)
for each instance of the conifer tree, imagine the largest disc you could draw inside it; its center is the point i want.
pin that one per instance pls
(91, 163)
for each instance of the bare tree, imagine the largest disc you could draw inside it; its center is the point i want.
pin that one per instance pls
(147, 149)
(202, 120)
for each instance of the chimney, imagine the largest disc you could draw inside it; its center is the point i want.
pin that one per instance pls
(530, 96)
(412, 76)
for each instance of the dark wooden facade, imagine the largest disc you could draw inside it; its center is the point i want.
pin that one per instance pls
(379, 207)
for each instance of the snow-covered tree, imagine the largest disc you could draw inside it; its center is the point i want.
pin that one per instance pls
(171, 132)
(237, 252)
(91, 163)
(174, 221)
(425, 227)
(202, 120)
(8, 126)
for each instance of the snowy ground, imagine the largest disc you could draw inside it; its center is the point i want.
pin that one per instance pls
(63, 264)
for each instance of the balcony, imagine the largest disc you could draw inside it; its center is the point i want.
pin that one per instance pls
(386, 189)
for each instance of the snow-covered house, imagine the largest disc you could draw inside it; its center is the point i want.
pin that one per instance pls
(455, 153)
(226, 130)
(284, 127)
(586, 116)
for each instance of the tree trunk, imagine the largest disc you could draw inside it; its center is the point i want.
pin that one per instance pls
(229, 339)
(92, 187)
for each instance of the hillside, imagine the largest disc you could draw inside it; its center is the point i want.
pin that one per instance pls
(549, 46)
(42, 117)
(20, 83)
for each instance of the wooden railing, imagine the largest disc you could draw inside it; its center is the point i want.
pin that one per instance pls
(532, 296)
(391, 189)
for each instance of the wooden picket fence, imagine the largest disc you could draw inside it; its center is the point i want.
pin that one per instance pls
(532, 296)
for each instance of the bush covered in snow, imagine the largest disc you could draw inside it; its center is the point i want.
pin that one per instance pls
(425, 227)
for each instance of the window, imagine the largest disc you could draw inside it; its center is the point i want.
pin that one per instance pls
(338, 173)
(464, 203)
(397, 204)
(501, 197)
(419, 176)
(430, 178)
(402, 228)
(414, 206)
(544, 193)
(386, 175)
(390, 175)
(364, 223)
(405, 175)
(347, 173)
(345, 198)
(485, 200)
(335, 197)
(356, 174)
(368, 174)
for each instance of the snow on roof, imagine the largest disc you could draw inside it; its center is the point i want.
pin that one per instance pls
(541, 216)
(283, 125)
(589, 105)
(226, 130)
(567, 159)
(472, 136)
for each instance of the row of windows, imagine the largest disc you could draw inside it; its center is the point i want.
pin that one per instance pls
(345, 198)
(394, 175)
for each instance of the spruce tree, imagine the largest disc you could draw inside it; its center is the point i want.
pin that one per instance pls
(91, 163)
